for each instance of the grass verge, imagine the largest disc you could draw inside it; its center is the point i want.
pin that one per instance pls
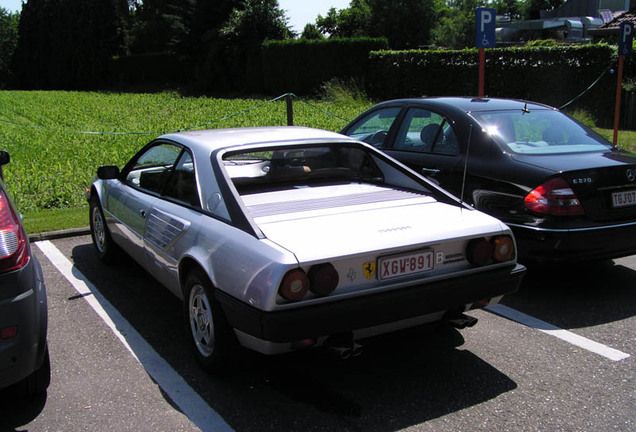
(55, 219)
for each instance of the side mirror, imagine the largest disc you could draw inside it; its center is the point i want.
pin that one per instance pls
(107, 172)
(4, 157)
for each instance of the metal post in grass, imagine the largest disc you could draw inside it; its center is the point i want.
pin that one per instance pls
(290, 109)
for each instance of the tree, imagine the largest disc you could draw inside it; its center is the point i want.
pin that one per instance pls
(456, 25)
(405, 23)
(256, 21)
(354, 21)
(150, 30)
(68, 44)
(242, 35)
(8, 42)
(311, 32)
(203, 25)
(534, 7)
(512, 8)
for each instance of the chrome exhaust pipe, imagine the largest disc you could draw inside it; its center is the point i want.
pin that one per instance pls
(357, 349)
(343, 346)
(344, 353)
(462, 321)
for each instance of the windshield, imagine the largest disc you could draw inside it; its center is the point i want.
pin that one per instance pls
(540, 132)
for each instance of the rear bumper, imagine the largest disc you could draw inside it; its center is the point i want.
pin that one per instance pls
(23, 354)
(545, 246)
(371, 310)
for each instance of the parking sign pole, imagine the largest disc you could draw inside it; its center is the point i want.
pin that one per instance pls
(617, 109)
(482, 71)
(484, 38)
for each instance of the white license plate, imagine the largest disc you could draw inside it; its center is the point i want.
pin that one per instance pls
(405, 264)
(624, 199)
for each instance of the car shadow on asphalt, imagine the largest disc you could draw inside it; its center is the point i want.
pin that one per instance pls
(577, 295)
(16, 411)
(400, 380)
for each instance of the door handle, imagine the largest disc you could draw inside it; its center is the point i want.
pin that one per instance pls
(429, 171)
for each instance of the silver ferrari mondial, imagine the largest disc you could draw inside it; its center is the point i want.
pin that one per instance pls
(284, 238)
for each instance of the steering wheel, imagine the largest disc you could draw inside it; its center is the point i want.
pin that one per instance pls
(377, 138)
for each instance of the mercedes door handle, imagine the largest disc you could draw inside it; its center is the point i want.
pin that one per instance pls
(429, 171)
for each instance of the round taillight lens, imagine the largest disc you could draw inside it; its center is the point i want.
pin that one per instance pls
(504, 248)
(323, 279)
(479, 251)
(294, 286)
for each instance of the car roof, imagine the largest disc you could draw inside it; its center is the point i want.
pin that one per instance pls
(472, 104)
(214, 139)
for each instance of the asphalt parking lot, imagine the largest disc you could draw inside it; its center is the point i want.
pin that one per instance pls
(120, 362)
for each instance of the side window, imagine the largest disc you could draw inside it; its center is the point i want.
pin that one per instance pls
(153, 167)
(183, 184)
(374, 128)
(426, 131)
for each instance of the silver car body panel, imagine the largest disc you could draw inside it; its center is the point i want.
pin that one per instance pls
(348, 225)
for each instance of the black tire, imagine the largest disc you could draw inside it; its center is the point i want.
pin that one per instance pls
(211, 337)
(38, 381)
(106, 249)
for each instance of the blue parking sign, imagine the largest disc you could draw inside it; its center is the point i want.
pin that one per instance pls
(485, 22)
(625, 38)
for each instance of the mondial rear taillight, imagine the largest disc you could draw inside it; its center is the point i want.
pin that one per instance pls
(554, 197)
(480, 251)
(294, 286)
(323, 279)
(13, 241)
(504, 248)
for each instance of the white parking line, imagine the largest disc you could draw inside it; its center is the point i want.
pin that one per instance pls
(555, 331)
(190, 403)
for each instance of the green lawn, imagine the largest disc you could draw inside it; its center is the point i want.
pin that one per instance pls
(55, 219)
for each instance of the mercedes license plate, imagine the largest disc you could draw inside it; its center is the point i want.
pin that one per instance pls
(405, 264)
(624, 198)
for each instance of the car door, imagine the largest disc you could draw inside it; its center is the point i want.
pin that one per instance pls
(377, 127)
(426, 141)
(143, 180)
(168, 232)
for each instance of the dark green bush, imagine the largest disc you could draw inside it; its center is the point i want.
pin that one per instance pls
(554, 75)
(149, 72)
(302, 66)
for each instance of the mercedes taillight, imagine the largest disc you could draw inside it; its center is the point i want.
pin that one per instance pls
(554, 197)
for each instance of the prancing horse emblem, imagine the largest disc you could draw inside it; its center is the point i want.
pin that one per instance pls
(369, 269)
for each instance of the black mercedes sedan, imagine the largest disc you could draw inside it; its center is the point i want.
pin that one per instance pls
(567, 193)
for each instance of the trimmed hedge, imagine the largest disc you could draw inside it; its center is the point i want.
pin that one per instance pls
(149, 72)
(552, 75)
(302, 66)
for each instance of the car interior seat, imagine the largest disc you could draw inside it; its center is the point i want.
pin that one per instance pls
(429, 134)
